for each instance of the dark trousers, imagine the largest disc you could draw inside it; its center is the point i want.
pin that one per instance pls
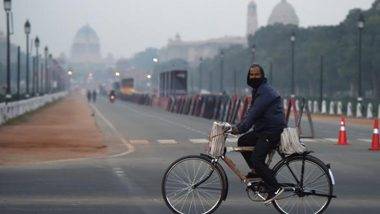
(263, 143)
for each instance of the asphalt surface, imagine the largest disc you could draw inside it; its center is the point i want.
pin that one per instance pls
(150, 139)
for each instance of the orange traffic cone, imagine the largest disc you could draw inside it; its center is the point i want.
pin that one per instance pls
(375, 145)
(342, 140)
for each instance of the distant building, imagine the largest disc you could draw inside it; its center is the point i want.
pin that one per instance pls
(86, 46)
(252, 21)
(283, 13)
(191, 51)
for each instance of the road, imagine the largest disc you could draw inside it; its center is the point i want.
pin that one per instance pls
(149, 140)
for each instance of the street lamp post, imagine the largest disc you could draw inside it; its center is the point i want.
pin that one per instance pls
(292, 41)
(18, 71)
(253, 51)
(321, 84)
(271, 73)
(37, 44)
(7, 8)
(53, 77)
(27, 29)
(157, 74)
(360, 28)
(47, 81)
(221, 71)
(200, 74)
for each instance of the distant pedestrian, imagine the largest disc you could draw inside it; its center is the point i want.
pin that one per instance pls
(88, 96)
(94, 93)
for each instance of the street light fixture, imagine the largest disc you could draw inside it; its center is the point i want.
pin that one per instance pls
(37, 44)
(117, 74)
(292, 41)
(7, 5)
(27, 30)
(7, 8)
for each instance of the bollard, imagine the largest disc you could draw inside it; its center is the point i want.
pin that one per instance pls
(315, 107)
(310, 105)
(359, 113)
(369, 111)
(349, 109)
(340, 108)
(324, 108)
(332, 108)
(297, 105)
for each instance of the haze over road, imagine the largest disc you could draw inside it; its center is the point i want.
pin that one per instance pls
(130, 182)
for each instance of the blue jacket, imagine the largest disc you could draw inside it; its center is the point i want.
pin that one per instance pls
(265, 113)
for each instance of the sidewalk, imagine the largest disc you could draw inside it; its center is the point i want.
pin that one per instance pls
(65, 129)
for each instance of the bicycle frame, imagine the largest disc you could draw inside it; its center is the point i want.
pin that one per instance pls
(229, 162)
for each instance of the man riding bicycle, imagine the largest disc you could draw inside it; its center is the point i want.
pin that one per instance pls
(266, 116)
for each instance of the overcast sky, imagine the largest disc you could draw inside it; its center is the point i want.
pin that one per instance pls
(128, 26)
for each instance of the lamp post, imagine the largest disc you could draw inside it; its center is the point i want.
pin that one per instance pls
(47, 81)
(221, 71)
(157, 74)
(70, 74)
(37, 44)
(53, 82)
(292, 41)
(27, 30)
(18, 71)
(253, 51)
(7, 8)
(321, 84)
(200, 74)
(360, 28)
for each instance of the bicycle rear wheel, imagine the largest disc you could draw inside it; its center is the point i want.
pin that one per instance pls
(193, 184)
(309, 191)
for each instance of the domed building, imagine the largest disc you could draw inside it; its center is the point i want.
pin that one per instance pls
(283, 13)
(86, 46)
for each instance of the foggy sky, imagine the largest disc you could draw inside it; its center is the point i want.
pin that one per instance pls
(128, 26)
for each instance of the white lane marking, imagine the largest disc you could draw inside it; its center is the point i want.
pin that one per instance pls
(309, 139)
(130, 147)
(167, 121)
(199, 141)
(365, 140)
(140, 142)
(169, 141)
(331, 139)
(118, 171)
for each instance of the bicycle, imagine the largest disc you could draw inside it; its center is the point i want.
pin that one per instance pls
(199, 184)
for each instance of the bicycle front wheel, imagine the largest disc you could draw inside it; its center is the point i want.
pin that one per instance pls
(193, 184)
(307, 183)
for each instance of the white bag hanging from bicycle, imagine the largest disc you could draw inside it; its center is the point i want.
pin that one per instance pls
(290, 142)
(217, 139)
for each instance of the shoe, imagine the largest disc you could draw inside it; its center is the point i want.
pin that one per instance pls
(253, 177)
(274, 195)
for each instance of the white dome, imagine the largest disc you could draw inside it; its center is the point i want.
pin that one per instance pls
(283, 13)
(86, 46)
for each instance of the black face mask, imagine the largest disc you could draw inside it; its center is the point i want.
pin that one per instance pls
(256, 82)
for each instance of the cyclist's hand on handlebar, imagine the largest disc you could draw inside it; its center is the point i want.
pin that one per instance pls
(234, 130)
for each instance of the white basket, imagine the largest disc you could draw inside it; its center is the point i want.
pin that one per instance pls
(217, 139)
